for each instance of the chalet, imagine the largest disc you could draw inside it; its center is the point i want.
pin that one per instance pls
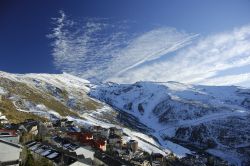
(9, 135)
(100, 144)
(29, 126)
(105, 132)
(10, 153)
(115, 140)
(86, 137)
(63, 143)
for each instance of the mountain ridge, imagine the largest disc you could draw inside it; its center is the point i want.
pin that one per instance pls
(182, 118)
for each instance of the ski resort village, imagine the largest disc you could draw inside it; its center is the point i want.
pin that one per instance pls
(125, 83)
(64, 142)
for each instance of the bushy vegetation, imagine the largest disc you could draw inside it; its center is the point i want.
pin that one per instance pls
(35, 96)
(14, 116)
(29, 160)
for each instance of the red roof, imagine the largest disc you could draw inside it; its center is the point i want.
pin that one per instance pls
(100, 142)
(5, 132)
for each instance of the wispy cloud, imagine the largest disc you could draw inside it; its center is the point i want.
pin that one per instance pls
(85, 48)
(201, 62)
(230, 80)
(96, 48)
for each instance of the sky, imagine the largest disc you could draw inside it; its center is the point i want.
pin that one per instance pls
(198, 42)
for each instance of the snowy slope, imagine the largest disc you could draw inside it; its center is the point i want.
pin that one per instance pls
(201, 116)
(183, 118)
(55, 96)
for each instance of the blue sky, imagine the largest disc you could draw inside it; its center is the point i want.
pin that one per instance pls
(201, 42)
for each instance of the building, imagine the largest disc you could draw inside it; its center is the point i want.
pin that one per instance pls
(29, 126)
(115, 140)
(48, 124)
(116, 131)
(9, 135)
(157, 159)
(87, 152)
(77, 163)
(85, 137)
(43, 130)
(133, 145)
(10, 153)
(105, 132)
(100, 144)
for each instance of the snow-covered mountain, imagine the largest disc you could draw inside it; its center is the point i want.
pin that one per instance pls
(211, 118)
(162, 116)
(53, 96)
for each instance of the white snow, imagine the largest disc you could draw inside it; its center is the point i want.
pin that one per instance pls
(2, 117)
(2, 91)
(38, 109)
(204, 104)
(192, 105)
(145, 142)
(170, 129)
(226, 156)
(53, 155)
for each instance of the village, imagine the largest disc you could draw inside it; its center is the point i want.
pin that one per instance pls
(63, 142)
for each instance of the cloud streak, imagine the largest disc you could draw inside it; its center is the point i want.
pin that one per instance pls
(98, 49)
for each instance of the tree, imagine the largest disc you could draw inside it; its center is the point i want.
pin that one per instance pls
(29, 160)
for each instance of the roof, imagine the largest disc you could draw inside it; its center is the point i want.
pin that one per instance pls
(53, 155)
(86, 151)
(65, 143)
(133, 141)
(77, 163)
(100, 142)
(11, 144)
(11, 126)
(10, 152)
(35, 146)
(28, 124)
(5, 132)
